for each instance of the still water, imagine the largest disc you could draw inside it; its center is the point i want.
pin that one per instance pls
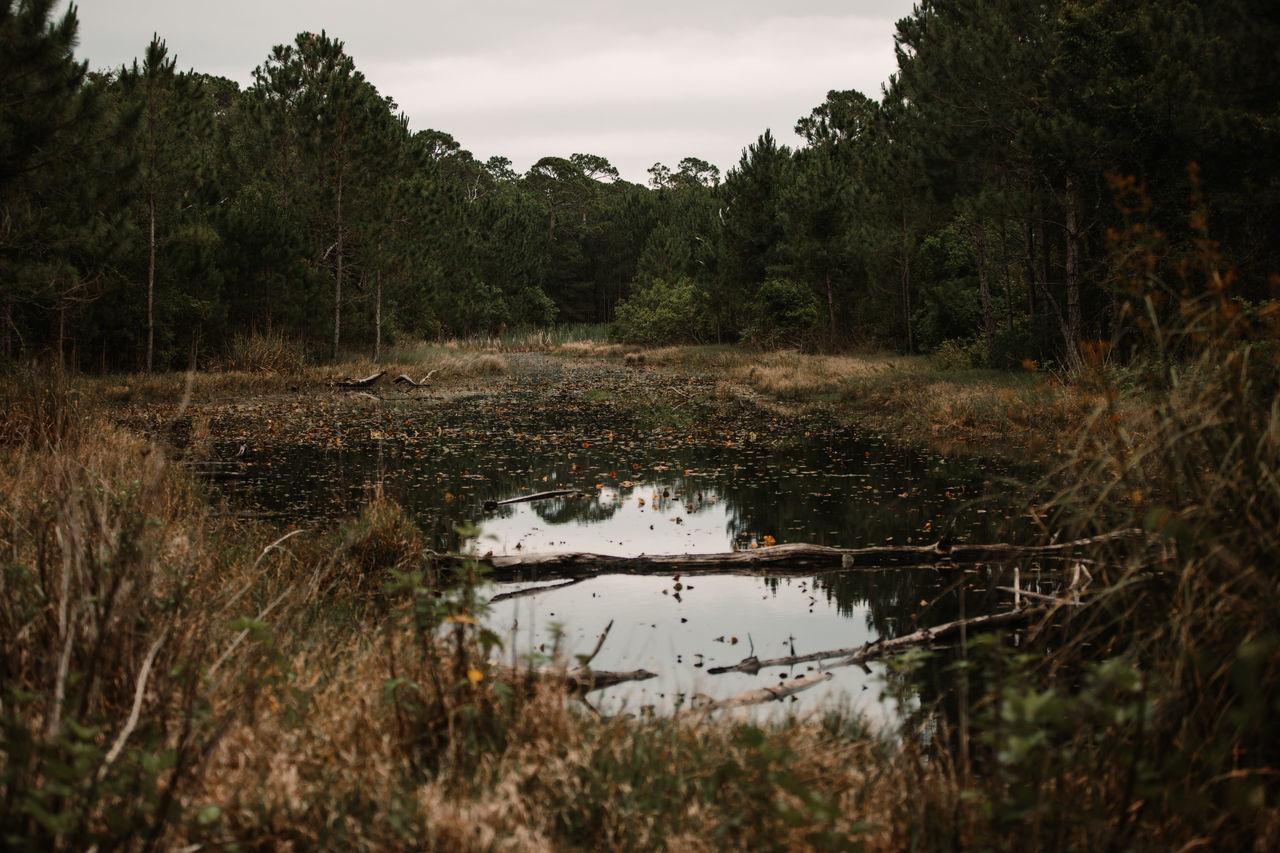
(646, 488)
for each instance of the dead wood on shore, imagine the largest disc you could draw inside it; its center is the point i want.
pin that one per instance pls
(347, 382)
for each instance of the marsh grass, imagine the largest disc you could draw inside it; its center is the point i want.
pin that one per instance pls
(172, 676)
(1146, 720)
(913, 398)
(523, 339)
(263, 352)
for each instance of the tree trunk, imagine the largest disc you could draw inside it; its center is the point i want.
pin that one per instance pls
(151, 227)
(337, 277)
(377, 316)
(906, 283)
(1040, 270)
(984, 292)
(1072, 270)
(831, 309)
(1004, 272)
(793, 559)
(1029, 263)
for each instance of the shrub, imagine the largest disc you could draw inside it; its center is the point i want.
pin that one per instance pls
(269, 352)
(783, 314)
(956, 354)
(663, 313)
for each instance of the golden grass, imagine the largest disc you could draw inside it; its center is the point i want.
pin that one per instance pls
(980, 411)
(273, 655)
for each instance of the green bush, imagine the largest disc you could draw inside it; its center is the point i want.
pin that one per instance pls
(955, 354)
(783, 314)
(663, 313)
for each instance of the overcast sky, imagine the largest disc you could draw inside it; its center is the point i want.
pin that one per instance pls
(636, 81)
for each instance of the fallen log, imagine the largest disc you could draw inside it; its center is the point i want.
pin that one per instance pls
(773, 693)
(794, 559)
(348, 382)
(859, 655)
(490, 506)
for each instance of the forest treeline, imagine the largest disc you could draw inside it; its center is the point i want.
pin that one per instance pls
(149, 216)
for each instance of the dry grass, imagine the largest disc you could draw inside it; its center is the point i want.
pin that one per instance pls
(322, 692)
(980, 411)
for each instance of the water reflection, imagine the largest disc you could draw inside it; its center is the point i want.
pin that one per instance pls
(641, 490)
(715, 621)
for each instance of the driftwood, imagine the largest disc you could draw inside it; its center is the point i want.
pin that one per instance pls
(859, 655)
(489, 506)
(772, 693)
(421, 383)
(582, 678)
(348, 382)
(579, 679)
(795, 559)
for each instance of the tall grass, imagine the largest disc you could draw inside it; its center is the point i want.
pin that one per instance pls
(1197, 611)
(1147, 719)
(110, 609)
(171, 677)
(526, 339)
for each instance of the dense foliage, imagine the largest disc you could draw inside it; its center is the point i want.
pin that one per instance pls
(150, 216)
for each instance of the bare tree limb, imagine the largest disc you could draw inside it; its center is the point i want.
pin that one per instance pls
(138, 693)
(859, 655)
(771, 694)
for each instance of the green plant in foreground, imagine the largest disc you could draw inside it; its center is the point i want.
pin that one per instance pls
(1154, 717)
(447, 703)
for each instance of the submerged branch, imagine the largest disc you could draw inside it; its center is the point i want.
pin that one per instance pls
(579, 679)
(489, 506)
(859, 655)
(534, 590)
(771, 694)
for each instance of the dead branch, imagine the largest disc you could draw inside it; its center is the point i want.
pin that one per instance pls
(489, 506)
(771, 694)
(348, 382)
(585, 680)
(599, 644)
(880, 648)
(579, 679)
(419, 383)
(931, 636)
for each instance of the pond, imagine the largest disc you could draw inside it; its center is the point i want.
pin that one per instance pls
(668, 478)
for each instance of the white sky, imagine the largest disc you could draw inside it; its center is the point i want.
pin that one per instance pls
(636, 81)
